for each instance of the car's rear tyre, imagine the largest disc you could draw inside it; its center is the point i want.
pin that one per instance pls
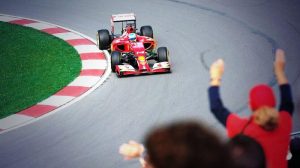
(103, 39)
(115, 60)
(146, 31)
(162, 54)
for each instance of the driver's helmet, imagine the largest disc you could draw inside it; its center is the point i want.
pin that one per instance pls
(132, 37)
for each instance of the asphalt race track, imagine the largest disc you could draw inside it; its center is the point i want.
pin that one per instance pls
(89, 132)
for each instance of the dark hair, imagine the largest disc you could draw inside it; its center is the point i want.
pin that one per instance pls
(185, 145)
(246, 152)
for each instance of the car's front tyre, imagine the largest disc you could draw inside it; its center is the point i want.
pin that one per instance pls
(115, 60)
(162, 54)
(146, 31)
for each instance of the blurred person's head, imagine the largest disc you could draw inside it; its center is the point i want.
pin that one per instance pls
(262, 102)
(185, 145)
(246, 152)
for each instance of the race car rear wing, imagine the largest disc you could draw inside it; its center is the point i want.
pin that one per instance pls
(123, 17)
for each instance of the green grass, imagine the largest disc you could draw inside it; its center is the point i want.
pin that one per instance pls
(33, 66)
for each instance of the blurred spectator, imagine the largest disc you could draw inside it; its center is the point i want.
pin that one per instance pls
(246, 152)
(179, 145)
(294, 162)
(268, 127)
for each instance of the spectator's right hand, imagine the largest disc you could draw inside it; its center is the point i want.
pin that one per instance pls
(279, 67)
(279, 63)
(131, 150)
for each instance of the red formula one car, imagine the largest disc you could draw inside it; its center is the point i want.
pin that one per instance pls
(132, 52)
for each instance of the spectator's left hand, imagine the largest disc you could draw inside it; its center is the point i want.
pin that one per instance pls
(131, 150)
(216, 72)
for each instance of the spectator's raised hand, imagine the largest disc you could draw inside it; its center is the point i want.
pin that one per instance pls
(279, 66)
(279, 63)
(216, 72)
(131, 150)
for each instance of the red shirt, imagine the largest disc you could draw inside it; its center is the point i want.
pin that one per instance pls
(275, 143)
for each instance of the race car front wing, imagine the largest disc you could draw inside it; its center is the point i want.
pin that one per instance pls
(127, 69)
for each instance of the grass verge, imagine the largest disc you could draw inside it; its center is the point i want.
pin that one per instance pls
(33, 66)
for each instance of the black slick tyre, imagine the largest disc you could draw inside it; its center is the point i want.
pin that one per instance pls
(146, 31)
(103, 39)
(162, 54)
(115, 60)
